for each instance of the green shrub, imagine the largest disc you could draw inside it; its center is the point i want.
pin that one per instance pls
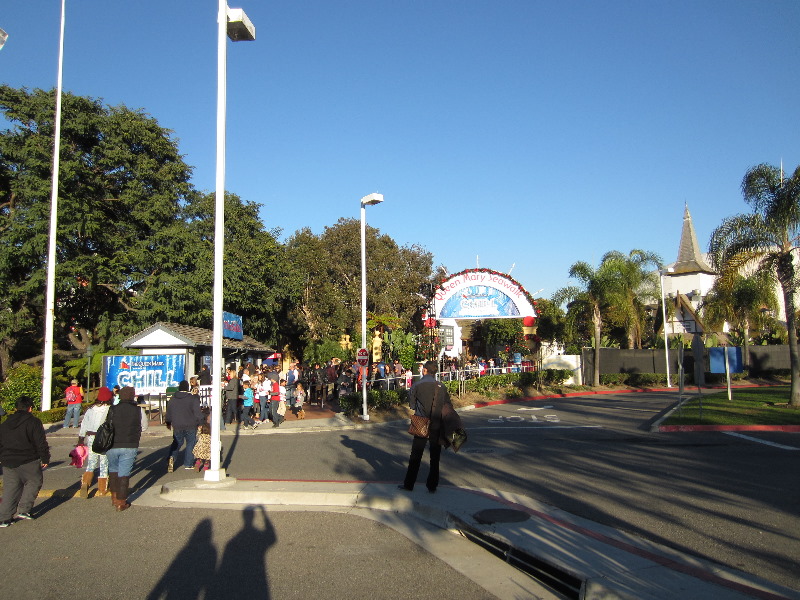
(352, 404)
(527, 379)
(54, 415)
(452, 387)
(555, 376)
(22, 380)
(613, 378)
(647, 379)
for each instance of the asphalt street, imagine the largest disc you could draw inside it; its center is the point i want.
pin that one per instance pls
(83, 549)
(721, 497)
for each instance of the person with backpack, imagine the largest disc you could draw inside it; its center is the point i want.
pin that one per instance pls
(74, 396)
(94, 417)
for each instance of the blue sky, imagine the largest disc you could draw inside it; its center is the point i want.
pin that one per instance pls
(525, 133)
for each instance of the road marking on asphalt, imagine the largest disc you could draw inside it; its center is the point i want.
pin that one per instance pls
(539, 426)
(535, 407)
(752, 439)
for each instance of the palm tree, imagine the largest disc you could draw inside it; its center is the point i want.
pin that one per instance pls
(632, 281)
(591, 298)
(742, 302)
(765, 239)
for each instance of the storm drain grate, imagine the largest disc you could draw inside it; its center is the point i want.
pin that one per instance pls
(552, 577)
(500, 515)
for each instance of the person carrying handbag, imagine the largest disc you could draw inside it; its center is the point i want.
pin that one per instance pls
(94, 417)
(427, 397)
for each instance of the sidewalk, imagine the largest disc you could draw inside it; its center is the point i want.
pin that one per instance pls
(573, 556)
(316, 417)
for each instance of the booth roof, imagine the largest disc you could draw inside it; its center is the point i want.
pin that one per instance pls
(193, 337)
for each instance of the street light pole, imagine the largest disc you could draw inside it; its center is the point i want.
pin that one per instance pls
(238, 29)
(50, 296)
(661, 274)
(369, 200)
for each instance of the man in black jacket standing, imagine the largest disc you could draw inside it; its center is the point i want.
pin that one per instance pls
(183, 416)
(427, 398)
(23, 453)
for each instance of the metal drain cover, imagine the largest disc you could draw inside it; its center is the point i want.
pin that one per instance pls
(500, 515)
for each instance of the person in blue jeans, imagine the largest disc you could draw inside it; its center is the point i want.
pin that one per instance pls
(128, 421)
(184, 415)
(74, 396)
(247, 406)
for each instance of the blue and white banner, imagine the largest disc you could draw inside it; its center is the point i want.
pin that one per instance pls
(232, 326)
(479, 301)
(481, 294)
(148, 374)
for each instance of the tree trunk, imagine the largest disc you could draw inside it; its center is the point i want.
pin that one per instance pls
(794, 360)
(598, 324)
(5, 358)
(746, 349)
(786, 277)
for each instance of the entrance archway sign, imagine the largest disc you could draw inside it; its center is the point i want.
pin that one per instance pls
(482, 294)
(477, 294)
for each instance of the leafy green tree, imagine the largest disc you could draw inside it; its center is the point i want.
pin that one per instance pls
(551, 322)
(742, 302)
(765, 239)
(589, 299)
(329, 269)
(134, 242)
(121, 185)
(258, 282)
(505, 333)
(633, 281)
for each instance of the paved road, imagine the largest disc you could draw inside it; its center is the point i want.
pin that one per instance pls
(83, 549)
(722, 497)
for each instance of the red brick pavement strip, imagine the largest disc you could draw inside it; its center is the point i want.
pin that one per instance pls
(682, 428)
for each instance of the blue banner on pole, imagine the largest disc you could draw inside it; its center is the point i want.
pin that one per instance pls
(716, 359)
(232, 326)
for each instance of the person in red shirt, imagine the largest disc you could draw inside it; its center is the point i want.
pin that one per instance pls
(74, 395)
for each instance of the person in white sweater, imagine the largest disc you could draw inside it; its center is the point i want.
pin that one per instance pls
(94, 417)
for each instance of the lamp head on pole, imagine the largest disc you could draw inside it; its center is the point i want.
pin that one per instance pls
(3, 38)
(240, 29)
(372, 199)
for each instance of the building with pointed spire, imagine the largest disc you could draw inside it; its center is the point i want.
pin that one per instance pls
(687, 281)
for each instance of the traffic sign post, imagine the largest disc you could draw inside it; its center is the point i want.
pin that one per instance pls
(362, 357)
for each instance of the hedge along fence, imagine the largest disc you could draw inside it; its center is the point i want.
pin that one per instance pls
(54, 415)
(352, 404)
(490, 383)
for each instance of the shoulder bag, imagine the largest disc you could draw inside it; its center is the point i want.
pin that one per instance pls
(420, 425)
(104, 438)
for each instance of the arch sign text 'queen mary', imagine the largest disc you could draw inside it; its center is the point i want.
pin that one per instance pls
(479, 294)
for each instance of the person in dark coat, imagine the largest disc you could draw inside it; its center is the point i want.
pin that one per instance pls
(183, 416)
(421, 400)
(126, 418)
(205, 375)
(232, 392)
(23, 453)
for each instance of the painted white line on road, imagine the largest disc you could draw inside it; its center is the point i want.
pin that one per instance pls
(752, 439)
(539, 427)
(535, 407)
